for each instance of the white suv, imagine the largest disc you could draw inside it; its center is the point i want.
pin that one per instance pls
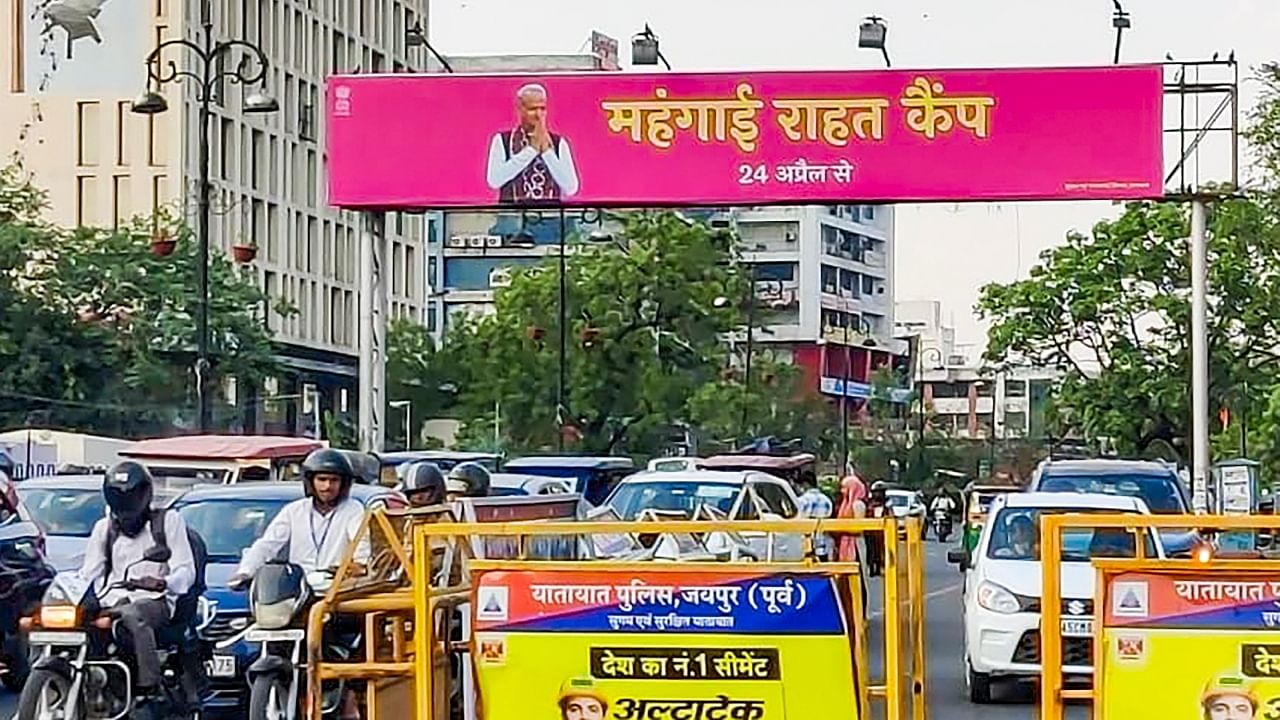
(1002, 593)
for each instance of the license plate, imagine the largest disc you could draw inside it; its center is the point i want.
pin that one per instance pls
(44, 637)
(1077, 628)
(221, 666)
(274, 635)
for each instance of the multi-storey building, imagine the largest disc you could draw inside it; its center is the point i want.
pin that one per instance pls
(65, 111)
(964, 398)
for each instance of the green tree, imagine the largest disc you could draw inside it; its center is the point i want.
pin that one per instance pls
(1111, 309)
(98, 334)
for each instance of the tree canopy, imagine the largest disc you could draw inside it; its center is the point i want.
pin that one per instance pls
(1111, 309)
(98, 334)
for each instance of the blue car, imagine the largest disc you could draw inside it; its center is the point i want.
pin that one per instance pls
(230, 518)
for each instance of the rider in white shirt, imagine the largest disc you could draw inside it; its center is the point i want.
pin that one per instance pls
(943, 503)
(314, 530)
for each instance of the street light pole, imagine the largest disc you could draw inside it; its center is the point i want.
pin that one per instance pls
(844, 405)
(207, 78)
(563, 309)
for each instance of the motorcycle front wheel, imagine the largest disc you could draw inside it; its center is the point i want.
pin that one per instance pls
(45, 696)
(268, 698)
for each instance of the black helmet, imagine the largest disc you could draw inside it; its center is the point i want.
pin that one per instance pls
(424, 484)
(327, 461)
(128, 489)
(469, 479)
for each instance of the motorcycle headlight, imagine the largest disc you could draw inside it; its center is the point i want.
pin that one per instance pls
(59, 617)
(274, 616)
(997, 599)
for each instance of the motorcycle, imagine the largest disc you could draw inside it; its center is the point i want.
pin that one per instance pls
(942, 524)
(280, 598)
(82, 672)
(24, 578)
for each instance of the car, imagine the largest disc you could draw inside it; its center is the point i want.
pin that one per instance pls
(506, 484)
(905, 504)
(740, 495)
(1002, 586)
(395, 463)
(65, 507)
(593, 477)
(1156, 483)
(230, 518)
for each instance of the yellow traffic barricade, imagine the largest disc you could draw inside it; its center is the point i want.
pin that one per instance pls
(1185, 637)
(696, 639)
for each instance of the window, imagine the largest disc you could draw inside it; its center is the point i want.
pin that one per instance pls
(950, 390)
(828, 279)
(775, 500)
(868, 285)
(86, 133)
(775, 271)
(1015, 388)
(86, 200)
(157, 192)
(848, 283)
(120, 200)
(986, 388)
(1015, 424)
(122, 132)
(868, 212)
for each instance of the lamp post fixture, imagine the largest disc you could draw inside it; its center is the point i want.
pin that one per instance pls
(923, 352)
(645, 49)
(208, 76)
(1119, 21)
(417, 37)
(872, 34)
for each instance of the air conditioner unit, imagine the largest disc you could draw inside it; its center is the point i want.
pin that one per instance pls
(457, 241)
(493, 241)
(955, 360)
(475, 241)
(499, 277)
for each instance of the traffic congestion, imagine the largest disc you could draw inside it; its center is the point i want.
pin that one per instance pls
(178, 582)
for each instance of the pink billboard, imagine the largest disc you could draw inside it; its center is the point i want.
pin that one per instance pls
(614, 139)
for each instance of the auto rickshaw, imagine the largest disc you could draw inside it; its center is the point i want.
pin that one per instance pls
(977, 501)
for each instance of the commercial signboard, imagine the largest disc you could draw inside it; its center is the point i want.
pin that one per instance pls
(634, 646)
(1191, 645)
(744, 138)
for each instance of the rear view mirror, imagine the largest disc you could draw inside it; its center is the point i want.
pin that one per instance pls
(958, 556)
(157, 554)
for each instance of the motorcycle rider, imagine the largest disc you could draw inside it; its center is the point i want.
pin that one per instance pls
(313, 530)
(468, 479)
(424, 485)
(114, 555)
(941, 507)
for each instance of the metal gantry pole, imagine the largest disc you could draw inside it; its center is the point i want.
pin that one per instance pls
(1199, 356)
(373, 332)
(844, 406)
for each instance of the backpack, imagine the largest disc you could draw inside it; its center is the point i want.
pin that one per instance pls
(187, 604)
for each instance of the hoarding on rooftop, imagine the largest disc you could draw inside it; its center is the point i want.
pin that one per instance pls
(744, 138)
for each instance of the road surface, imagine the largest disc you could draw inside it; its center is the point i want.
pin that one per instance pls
(944, 640)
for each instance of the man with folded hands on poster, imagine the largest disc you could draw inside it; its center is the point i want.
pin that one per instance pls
(531, 165)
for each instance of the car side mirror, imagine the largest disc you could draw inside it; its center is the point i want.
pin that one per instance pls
(157, 554)
(958, 556)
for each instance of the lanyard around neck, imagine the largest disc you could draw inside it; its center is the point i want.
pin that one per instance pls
(311, 516)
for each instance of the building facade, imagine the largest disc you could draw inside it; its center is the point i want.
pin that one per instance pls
(963, 398)
(65, 112)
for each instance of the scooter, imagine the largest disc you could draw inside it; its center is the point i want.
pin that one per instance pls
(281, 596)
(942, 525)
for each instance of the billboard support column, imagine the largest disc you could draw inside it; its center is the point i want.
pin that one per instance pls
(1199, 358)
(373, 330)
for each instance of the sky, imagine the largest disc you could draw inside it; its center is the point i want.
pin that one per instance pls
(944, 252)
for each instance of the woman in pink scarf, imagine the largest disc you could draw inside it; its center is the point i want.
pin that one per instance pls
(853, 505)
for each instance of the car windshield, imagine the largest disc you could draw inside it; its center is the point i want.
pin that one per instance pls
(229, 527)
(64, 511)
(898, 500)
(632, 498)
(1161, 494)
(175, 479)
(1015, 535)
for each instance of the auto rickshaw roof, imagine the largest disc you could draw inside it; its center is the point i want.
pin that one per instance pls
(223, 447)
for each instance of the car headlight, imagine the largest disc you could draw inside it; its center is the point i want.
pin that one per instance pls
(997, 599)
(274, 616)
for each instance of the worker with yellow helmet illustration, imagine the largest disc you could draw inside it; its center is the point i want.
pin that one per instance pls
(1228, 697)
(580, 699)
